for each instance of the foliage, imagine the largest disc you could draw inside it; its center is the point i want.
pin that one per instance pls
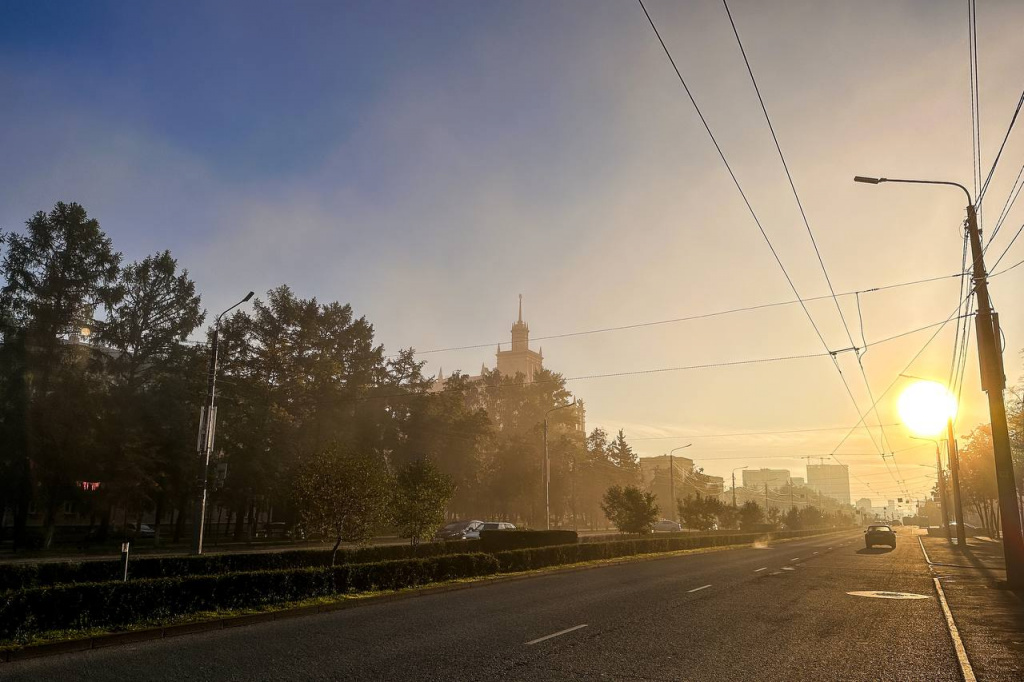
(502, 540)
(343, 495)
(115, 603)
(422, 493)
(630, 509)
(751, 515)
(702, 513)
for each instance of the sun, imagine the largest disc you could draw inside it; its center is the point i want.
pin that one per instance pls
(925, 406)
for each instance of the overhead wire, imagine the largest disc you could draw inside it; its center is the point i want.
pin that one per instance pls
(814, 242)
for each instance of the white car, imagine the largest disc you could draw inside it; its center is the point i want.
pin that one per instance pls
(474, 534)
(666, 526)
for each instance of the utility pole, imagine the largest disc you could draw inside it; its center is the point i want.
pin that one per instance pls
(733, 488)
(672, 485)
(545, 473)
(942, 491)
(954, 471)
(766, 498)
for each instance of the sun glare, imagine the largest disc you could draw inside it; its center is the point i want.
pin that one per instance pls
(925, 406)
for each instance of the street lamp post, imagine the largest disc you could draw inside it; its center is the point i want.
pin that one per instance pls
(942, 487)
(546, 473)
(734, 484)
(207, 426)
(993, 381)
(672, 477)
(954, 474)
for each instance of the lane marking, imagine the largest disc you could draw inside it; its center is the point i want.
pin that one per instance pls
(961, 654)
(758, 570)
(813, 552)
(788, 568)
(796, 558)
(923, 550)
(698, 589)
(556, 634)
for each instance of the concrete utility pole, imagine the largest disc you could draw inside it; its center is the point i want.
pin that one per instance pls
(546, 467)
(207, 427)
(672, 478)
(993, 381)
(954, 472)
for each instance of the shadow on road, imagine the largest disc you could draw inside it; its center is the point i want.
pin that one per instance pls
(875, 550)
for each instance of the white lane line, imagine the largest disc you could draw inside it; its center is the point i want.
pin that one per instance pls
(813, 552)
(923, 550)
(698, 589)
(961, 653)
(758, 570)
(788, 568)
(556, 634)
(796, 558)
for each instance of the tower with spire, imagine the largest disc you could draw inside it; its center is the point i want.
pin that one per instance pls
(520, 359)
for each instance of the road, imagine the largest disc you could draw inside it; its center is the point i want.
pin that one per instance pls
(780, 613)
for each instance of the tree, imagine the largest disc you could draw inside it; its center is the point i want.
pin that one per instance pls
(751, 515)
(421, 494)
(630, 509)
(621, 454)
(343, 495)
(700, 512)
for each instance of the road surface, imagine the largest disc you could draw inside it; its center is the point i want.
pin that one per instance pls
(781, 613)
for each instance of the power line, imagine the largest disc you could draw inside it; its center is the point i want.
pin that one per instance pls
(690, 318)
(998, 260)
(992, 170)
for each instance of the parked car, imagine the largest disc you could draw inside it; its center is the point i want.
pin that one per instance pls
(145, 530)
(457, 530)
(666, 526)
(969, 530)
(879, 535)
(488, 525)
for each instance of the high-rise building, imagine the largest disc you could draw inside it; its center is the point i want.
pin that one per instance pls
(519, 359)
(830, 480)
(758, 478)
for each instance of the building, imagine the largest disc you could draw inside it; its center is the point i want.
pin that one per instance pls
(519, 359)
(864, 505)
(830, 480)
(758, 478)
(797, 481)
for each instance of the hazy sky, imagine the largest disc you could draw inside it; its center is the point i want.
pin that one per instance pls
(427, 162)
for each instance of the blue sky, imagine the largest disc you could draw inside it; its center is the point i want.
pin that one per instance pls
(427, 162)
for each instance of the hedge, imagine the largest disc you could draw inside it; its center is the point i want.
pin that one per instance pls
(540, 557)
(501, 540)
(20, 576)
(112, 604)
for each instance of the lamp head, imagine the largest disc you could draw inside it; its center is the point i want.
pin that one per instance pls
(870, 181)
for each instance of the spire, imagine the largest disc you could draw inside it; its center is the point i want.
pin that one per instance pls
(520, 308)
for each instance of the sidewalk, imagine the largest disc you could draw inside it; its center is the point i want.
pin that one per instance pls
(989, 616)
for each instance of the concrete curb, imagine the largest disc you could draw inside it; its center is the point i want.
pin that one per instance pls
(149, 634)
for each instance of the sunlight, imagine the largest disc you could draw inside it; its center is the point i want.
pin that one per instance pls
(925, 406)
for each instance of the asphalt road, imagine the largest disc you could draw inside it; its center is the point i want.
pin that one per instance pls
(781, 613)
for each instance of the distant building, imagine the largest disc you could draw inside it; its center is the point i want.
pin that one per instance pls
(830, 480)
(797, 481)
(864, 505)
(758, 478)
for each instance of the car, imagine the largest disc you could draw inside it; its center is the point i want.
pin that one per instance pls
(969, 530)
(666, 526)
(145, 531)
(474, 534)
(879, 535)
(457, 530)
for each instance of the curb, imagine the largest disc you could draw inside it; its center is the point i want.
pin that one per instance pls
(149, 634)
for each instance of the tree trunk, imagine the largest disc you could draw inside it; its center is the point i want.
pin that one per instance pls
(239, 520)
(179, 521)
(334, 552)
(158, 516)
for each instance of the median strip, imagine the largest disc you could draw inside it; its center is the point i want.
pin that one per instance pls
(555, 634)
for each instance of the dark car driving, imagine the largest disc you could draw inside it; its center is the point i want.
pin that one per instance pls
(879, 535)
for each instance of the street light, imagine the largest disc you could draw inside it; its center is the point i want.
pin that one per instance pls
(672, 477)
(207, 427)
(546, 473)
(993, 381)
(942, 487)
(734, 484)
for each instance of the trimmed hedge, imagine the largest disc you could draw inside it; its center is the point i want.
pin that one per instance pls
(502, 540)
(541, 557)
(112, 604)
(20, 576)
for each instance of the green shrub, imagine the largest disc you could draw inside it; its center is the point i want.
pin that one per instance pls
(502, 540)
(112, 604)
(18, 576)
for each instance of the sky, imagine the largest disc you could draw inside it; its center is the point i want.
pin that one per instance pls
(429, 162)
